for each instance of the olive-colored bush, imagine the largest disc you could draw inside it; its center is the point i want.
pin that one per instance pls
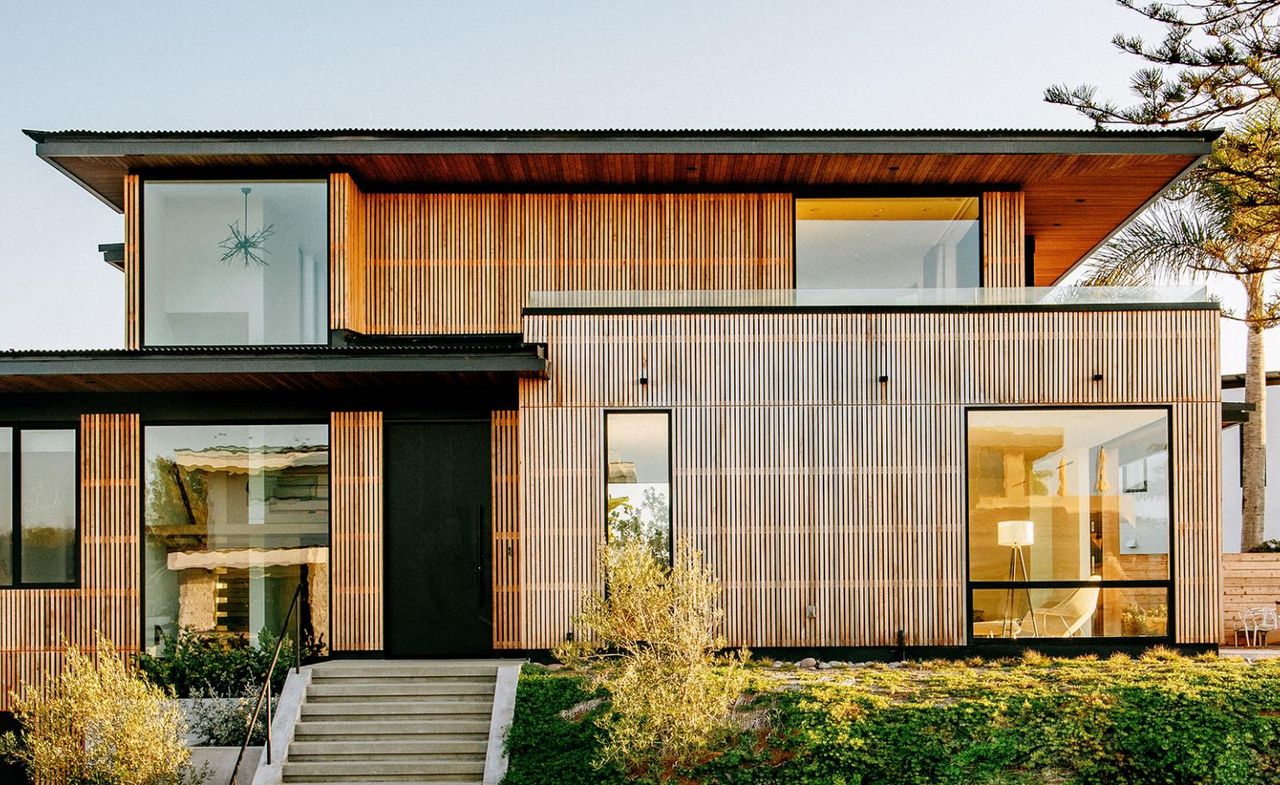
(1162, 719)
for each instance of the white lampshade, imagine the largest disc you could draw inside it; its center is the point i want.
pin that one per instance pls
(1011, 534)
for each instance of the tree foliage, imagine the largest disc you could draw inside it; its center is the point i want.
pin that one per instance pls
(97, 723)
(1216, 59)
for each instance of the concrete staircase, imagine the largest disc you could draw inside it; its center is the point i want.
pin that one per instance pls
(394, 721)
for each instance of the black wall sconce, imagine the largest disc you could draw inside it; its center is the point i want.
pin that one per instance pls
(644, 370)
(1097, 377)
(883, 378)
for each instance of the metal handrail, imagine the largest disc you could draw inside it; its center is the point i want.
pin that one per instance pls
(265, 693)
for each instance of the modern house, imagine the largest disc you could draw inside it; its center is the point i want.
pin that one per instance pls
(422, 373)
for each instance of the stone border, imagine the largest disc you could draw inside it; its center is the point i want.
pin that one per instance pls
(504, 706)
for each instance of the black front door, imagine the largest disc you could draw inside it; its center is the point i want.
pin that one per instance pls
(437, 518)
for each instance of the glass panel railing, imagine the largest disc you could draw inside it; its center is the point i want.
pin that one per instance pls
(1029, 297)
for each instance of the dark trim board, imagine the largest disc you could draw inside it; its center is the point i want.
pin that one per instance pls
(818, 309)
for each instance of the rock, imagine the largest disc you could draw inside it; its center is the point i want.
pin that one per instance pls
(897, 665)
(777, 663)
(824, 666)
(807, 662)
(555, 666)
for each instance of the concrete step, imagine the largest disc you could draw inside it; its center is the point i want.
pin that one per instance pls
(364, 771)
(390, 729)
(396, 750)
(382, 669)
(438, 689)
(357, 711)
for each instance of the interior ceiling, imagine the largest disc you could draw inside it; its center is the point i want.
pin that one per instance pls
(1075, 200)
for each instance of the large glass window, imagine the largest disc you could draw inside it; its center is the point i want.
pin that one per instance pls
(38, 511)
(1069, 522)
(235, 263)
(237, 516)
(890, 243)
(639, 478)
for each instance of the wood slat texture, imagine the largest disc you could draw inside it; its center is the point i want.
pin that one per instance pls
(507, 579)
(1073, 200)
(35, 622)
(808, 482)
(347, 269)
(355, 445)
(132, 261)
(1249, 580)
(464, 263)
(1004, 239)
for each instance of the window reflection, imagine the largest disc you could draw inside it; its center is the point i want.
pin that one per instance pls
(6, 506)
(639, 479)
(1077, 495)
(887, 243)
(48, 505)
(235, 263)
(236, 518)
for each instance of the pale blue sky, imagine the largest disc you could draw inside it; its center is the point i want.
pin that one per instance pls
(165, 65)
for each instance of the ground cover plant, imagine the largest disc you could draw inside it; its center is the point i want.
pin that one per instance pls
(1161, 718)
(201, 665)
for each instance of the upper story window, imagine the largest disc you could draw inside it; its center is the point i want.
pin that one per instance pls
(893, 243)
(235, 263)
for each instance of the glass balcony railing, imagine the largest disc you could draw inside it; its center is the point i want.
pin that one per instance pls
(1049, 297)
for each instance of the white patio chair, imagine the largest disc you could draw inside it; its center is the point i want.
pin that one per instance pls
(1258, 623)
(1067, 617)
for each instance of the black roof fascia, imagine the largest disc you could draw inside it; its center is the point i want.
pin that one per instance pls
(60, 144)
(528, 359)
(113, 254)
(1235, 381)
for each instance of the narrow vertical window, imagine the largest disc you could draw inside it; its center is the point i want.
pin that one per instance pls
(47, 506)
(6, 507)
(638, 479)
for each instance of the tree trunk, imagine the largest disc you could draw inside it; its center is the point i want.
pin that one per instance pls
(1253, 454)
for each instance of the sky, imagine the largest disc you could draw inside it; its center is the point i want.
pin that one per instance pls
(478, 64)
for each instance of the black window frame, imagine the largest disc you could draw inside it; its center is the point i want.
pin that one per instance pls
(671, 473)
(233, 175)
(143, 633)
(15, 478)
(1168, 583)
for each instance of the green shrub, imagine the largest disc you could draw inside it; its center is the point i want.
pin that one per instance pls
(216, 665)
(548, 749)
(1158, 720)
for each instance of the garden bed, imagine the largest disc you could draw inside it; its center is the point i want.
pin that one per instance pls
(1163, 718)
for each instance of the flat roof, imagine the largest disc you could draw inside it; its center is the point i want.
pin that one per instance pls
(1080, 185)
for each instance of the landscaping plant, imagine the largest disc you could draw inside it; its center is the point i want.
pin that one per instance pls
(98, 723)
(225, 666)
(1161, 719)
(652, 639)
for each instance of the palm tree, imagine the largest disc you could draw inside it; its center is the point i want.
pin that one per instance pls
(1224, 221)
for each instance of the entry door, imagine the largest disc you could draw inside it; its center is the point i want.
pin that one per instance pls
(437, 518)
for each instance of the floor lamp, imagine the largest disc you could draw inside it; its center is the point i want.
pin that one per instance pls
(1014, 535)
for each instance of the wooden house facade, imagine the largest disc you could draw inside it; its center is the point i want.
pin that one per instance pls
(425, 375)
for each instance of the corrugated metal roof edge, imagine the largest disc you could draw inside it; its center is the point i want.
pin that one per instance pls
(42, 136)
(199, 352)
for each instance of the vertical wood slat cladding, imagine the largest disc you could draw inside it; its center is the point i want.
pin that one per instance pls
(132, 261)
(1004, 248)
(355, 445)
(33, 622)
(809, 483)
(347, 268)
(507, 581)
(464, 263)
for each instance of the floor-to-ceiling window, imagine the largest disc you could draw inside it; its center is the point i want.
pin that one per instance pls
(1069, 522)
(235, 262)
(887, 243)
(237, 517)
(638, 478)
